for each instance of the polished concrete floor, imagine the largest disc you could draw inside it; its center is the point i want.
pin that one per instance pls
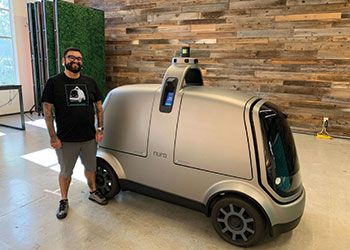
(29, 198)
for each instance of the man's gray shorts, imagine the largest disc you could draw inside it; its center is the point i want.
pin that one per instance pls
(68, 154)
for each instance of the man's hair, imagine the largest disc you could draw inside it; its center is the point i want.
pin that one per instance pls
(71, 49)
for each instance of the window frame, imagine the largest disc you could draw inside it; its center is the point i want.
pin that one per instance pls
(13, 41)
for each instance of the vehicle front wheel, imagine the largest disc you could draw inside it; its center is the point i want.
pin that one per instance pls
(106, 179)
(238, 221)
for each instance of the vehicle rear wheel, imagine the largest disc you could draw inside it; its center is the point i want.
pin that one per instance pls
(238, 221)
(106, 179)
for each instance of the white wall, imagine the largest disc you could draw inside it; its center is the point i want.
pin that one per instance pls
(22, 48)
(23, 60)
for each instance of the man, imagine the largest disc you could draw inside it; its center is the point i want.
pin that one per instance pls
(73, 97)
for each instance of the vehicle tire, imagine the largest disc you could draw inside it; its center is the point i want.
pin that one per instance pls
(238, 221)
(106, 179)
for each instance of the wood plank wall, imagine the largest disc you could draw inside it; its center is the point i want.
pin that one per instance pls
(293, 52)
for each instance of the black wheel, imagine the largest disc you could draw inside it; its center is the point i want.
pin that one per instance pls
(237, 221)
(106, 179)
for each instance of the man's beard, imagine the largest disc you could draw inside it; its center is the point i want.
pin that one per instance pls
(70, 67)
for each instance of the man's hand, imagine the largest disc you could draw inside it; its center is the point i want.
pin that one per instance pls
(98, 136)
(56, 143)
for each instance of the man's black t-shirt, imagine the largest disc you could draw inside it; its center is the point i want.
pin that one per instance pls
(73, 101)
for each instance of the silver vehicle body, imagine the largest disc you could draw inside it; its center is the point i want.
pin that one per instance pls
(208, 145)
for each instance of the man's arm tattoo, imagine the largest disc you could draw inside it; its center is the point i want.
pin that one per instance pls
(99, 113)
(49, 119)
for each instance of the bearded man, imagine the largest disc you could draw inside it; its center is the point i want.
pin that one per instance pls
(71, 99)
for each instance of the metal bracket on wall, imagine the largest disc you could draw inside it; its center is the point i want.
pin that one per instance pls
(56, 35)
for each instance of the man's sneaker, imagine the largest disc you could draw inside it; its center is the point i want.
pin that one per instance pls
(96, 196)
(62, 209)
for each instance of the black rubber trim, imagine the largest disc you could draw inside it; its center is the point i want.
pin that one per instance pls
(161, 195)
(286, 227)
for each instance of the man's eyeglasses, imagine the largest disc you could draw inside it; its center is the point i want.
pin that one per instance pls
(72, 58)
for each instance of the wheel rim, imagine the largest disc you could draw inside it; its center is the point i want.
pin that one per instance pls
(103, 180)
(235, 222)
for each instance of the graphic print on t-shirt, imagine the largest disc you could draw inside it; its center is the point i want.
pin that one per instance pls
(76, 95)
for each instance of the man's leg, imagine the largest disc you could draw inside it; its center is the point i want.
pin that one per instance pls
(91, 179)
(63, 204)
(88, 158)
(67, 157)
(64, 186)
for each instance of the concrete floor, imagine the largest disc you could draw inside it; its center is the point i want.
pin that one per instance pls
(29, 189)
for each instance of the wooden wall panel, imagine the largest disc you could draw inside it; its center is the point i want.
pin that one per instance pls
(293, 52)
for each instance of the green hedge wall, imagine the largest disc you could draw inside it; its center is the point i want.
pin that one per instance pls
(79, 27)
